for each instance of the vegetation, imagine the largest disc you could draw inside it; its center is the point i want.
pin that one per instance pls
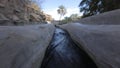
(62, 11)
(93, 7)
(72, 18)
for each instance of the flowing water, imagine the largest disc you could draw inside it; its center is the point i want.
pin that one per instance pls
(64, 53)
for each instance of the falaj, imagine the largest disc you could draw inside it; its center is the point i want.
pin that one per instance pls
(64, 53)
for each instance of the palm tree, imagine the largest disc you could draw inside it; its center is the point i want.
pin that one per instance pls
(62, 11)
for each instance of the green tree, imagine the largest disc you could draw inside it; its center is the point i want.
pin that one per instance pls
(74, 17)
(93, 7)
(62, 11)
(66, 20)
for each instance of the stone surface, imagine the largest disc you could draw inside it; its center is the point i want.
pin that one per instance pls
(35, 17)
(24, 46)
(2, 5)
(112, 17)
(4, 20)
(20, 10)
(2, 17)
(15, 18)
(101, 42)
(48, 18)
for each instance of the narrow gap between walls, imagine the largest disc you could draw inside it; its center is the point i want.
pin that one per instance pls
(63, 52)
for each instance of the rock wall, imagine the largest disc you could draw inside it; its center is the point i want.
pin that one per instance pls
(16, 12)
(48, 18)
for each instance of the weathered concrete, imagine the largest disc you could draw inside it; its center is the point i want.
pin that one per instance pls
(24, 46)
(112, 17)
(101, 42)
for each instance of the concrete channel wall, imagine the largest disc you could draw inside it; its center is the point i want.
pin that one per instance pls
(99, 36)
(107, 18)
(24, 46)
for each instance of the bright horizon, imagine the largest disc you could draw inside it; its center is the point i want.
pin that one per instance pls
(50, 7)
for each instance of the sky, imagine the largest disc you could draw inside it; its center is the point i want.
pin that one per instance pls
(50, 7)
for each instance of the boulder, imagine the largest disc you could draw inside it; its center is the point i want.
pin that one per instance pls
(2, 17)
(24, 46)
(2, 5)
(100, 42)
(4, 20)
(15, 18)
(34, 17)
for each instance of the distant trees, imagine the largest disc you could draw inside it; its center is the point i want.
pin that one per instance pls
(93, 7)
(72, 18)
(62, 11)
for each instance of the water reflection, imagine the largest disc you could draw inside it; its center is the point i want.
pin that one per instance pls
(64, 53)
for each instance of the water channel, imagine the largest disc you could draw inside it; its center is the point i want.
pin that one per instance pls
(64, 53)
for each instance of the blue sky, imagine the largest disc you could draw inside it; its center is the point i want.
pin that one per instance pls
(51, 6)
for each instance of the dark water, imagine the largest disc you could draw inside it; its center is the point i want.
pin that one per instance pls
(64, 53)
